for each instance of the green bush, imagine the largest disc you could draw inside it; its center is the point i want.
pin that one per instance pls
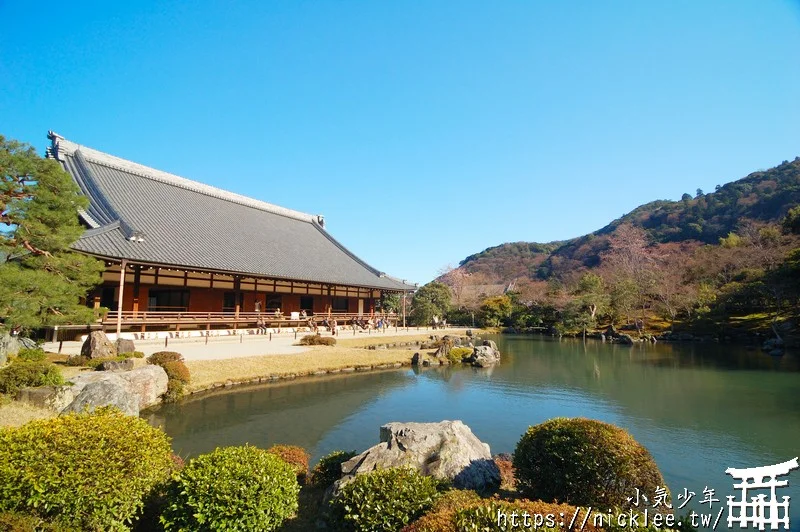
(176, 370)
(583, 462)
(232, 488)
(31, 355)
(84, 471)
(175, 391)
(385, 499)
(457, 354)
(316, 339)
(329, 468)
(22, 373)
(295, 456)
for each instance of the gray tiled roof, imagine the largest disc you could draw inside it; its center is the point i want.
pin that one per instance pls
(146, 215)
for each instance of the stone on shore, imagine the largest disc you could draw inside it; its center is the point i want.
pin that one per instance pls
(149, 383)
(100, 389)
(445, 450)
(97, 345)
(130, 391)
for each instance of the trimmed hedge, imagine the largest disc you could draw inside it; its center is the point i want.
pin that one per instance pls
(316, 339)
(83, 471)
(22, 373)
(295, 456)
(583, 462)
(232, 488)
(383, 500)
(329, 468)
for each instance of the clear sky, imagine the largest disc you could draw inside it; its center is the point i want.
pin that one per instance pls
(423, 131)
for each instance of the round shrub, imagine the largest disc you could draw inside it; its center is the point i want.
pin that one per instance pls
(21, 373)
(385, 499)
(86, 471)
(177, 370)
(161, 357)
(583, 462)
(295, 456)
(329, 468)
(232, 488)
(316, 339)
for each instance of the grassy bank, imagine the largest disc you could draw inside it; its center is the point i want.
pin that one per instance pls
(347, 353)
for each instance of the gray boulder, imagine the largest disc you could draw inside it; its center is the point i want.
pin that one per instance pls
(123, 345)
(100, 389)
(97, 345)
(148, 383)
(484, 356)
(445, 450)
(130, 391)
(11, 344)
(490, 343)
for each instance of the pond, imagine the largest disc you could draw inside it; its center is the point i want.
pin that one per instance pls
(698, 408)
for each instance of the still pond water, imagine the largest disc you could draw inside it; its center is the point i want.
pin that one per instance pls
(698, 408)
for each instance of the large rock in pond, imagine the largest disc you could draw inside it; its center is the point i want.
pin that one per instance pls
(446, 450)
(484, 356)
(102, 388)
(97, 345)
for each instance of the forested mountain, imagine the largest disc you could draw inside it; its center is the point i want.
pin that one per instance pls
(764, 196)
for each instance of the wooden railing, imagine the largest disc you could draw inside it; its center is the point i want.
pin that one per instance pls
(131, 318)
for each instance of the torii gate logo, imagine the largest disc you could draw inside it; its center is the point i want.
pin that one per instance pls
(760, 511)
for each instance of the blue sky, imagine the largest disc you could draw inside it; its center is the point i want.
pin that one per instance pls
(423, 131)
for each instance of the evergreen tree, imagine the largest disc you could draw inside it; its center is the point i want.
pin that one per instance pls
(41, 279)
(430, 300)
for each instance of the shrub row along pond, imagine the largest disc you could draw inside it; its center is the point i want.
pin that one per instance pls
(108, 471)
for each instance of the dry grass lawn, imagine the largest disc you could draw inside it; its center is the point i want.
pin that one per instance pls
(205, 373)
(347, 353)
(14, 414)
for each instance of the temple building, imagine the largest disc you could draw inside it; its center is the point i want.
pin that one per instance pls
(184, 255)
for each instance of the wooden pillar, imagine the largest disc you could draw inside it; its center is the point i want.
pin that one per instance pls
(237, 292)
(137, 271)
(123, 267)
(404, 308)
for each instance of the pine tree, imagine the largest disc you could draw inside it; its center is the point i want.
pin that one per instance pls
(41, 279)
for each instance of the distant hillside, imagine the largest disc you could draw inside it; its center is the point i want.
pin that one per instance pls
(765, 196)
